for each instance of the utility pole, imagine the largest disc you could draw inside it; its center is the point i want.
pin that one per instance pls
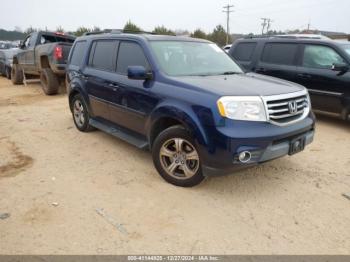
(269, 22)
(227, 10)
(263, 24)
(266, 23)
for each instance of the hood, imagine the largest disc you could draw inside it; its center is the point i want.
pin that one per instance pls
(250, 84)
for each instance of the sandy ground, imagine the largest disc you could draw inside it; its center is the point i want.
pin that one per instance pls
(53, 178)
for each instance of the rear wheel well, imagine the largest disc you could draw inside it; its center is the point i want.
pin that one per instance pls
(161, 125)
(44, 62)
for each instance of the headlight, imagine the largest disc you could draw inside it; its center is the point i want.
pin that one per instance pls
(248, 108)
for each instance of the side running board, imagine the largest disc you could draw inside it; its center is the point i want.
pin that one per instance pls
(121, 134)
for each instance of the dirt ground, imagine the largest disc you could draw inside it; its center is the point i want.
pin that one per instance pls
(73, 193)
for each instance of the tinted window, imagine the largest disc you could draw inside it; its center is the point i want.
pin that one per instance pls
(317, 56)
(244, 51)
(103, 55)
(130, 54)
(279, 53)
(78, 53)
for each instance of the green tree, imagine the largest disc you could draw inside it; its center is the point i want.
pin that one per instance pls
(30, 30)
(82, 30)
(199, 34)
(131, 27)
(162, 30)
(60, 29)
(219, 36)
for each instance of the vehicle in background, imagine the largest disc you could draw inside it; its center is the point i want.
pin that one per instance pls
(6, 45)
(6, 59)
(320, 65)
(227, 48)
(187, 101)
(43, 54)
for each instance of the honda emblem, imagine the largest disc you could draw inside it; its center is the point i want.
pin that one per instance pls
(293, 107)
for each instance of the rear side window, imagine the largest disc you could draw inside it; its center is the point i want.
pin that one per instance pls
(78, 53)
(279, 53)
(103, 55)
(130, 54)
(244, 51)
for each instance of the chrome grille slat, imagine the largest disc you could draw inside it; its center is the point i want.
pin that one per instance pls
(278, 107)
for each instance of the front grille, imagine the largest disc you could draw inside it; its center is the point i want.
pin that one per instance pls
(286, 109)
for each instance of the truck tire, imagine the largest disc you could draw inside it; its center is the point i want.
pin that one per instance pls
(8, 72)
(176, 158)
(16, 75)
(49, 82)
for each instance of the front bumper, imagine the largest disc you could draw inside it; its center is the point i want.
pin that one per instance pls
(264, 141)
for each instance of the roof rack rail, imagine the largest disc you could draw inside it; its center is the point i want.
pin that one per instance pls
(118, 31)
(290, 36)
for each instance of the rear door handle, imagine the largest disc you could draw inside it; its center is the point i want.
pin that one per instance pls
(304, 76)
(113, 86)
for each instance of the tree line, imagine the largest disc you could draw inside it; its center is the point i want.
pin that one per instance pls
(218, 35)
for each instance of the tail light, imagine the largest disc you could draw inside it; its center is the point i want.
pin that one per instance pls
(58, 52)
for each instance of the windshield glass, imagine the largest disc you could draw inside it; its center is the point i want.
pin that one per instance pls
(347, 48)
(180, 58)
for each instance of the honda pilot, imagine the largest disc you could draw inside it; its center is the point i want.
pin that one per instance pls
(186, 101)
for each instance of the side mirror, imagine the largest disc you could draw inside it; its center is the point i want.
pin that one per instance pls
(139, 73)
(340, 67)
(21, 44)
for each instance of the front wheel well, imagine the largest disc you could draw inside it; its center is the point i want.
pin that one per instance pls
(161, 125)
(71, 95)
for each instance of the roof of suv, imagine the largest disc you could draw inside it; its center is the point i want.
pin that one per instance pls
(287, 39)
(143, 36)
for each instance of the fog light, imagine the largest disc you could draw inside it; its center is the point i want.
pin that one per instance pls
(244, 157)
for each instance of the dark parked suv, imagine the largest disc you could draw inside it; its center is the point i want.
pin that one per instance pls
(322, 66)
(187, 101)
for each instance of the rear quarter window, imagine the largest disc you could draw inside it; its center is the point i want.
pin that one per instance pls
(78, 53)
(244, 51)
(279, 53)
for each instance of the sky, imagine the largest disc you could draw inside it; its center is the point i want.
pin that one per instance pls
(328, 15)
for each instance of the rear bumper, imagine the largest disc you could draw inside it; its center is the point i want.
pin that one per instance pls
(265, 142)
(59, 69)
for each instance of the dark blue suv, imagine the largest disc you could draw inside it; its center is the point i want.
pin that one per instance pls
(187, 101)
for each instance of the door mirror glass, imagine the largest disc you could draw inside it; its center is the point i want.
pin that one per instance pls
(340, 67)
(138, 73)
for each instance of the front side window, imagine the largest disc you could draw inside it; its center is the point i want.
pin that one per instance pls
(130, 54)
(103, 55)
(185, 58)
(321, 57)
(279, 53)
(244, 51)
(78, 53)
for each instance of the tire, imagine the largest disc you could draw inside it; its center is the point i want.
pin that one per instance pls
(176, 158)
(80, 114)
(8, 72)
(49, 82)
(16, 75)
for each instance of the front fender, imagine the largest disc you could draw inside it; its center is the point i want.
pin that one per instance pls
(182, 113)
(75, 86)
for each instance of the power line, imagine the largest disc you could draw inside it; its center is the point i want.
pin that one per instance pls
(228, 11)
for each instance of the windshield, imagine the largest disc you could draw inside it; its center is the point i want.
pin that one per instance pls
(347, 48)
(180, 58)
